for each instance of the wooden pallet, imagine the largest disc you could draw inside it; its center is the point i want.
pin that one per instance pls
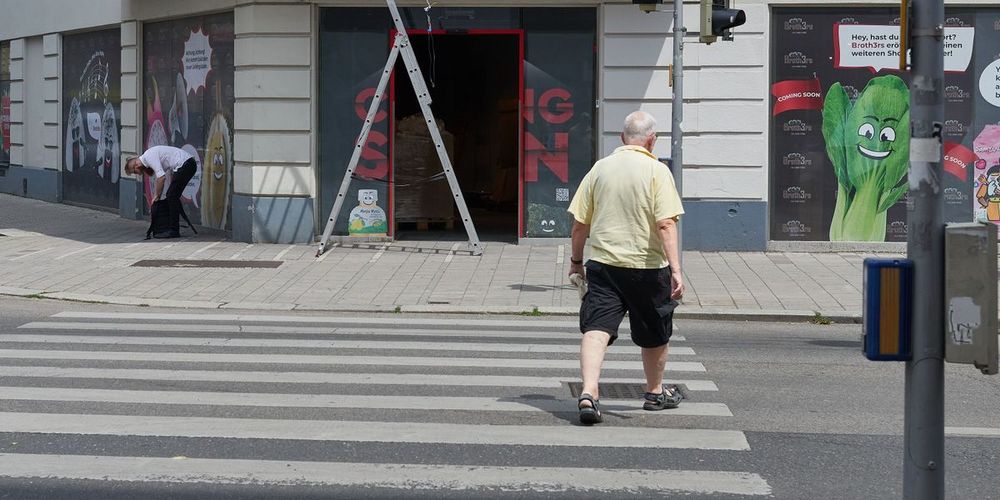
(426, 224)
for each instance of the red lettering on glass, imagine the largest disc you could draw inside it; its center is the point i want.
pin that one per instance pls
(565, 108)
(378, 163)
(361, 105)
(557, 159)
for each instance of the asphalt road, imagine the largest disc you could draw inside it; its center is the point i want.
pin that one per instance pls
(109, 402)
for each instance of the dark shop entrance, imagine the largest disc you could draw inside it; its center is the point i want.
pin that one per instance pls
(475, 79)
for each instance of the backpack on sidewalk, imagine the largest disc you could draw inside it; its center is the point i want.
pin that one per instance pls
(159, 220)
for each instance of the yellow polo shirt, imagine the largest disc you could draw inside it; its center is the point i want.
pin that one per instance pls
(621, 198)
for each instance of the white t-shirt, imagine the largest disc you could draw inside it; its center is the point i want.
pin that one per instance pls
(163, 158)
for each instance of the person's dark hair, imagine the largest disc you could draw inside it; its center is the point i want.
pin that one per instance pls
(995, 169)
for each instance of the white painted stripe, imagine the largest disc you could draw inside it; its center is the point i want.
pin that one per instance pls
(317, 377)
(19, 257)
(327, 252)
(561, 254)
(204, 248)
(972, 431)
(185, 357)
(451, 254)
(237, 254)
(378, 255)
(454, 403)
(319, 344)
(406, 477)
(283, 252)
(313, 330)
(74, 252)
(385, 321)
(375, 432)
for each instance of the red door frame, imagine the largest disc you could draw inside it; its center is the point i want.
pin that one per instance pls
(519, 33)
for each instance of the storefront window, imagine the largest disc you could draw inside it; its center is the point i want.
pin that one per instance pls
(189, 104)
(840, 122)
(513, 95)
(91, 101)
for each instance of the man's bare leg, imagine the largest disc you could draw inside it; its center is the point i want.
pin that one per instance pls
(654, 361)
(592, 349)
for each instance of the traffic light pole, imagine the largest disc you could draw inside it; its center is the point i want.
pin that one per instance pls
(677, 119)
(923, 434)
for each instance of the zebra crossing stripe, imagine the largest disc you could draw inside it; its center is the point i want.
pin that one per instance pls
(319, 344)
(408, 477)
(569, 334)
(309, 359)
(374, 432)
(317, 377)
(454, 403)
(408, 322)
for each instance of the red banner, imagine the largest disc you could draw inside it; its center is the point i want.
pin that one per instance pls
(794, 95)
(957, 159)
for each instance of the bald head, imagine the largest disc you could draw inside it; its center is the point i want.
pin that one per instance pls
(640, 129)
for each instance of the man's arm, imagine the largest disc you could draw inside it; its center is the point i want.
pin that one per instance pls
(667, 229)
(158, 190)
(580, 234)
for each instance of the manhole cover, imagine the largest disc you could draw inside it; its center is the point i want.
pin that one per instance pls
(621, 390)
(230, 264)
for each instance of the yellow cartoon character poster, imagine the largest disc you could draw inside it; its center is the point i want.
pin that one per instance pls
(987, 148)
(368, 219)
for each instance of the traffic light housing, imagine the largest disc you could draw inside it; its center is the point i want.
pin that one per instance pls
(717, 19)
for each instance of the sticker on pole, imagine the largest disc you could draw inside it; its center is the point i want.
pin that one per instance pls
(197, 60)
(877, 47)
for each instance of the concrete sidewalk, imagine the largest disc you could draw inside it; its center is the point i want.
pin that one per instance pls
(65, 252)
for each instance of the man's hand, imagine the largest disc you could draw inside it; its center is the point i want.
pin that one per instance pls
(576, 269)
(676, 285)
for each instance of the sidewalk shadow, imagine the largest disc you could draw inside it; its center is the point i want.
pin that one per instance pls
(522, 287)
(84, 224)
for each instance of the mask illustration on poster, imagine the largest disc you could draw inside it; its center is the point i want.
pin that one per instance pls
(987, 149)
(218, 168)
(92, 125)
(868, 144)
(368, 219)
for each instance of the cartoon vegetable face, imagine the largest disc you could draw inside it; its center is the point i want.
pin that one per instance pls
(868, 143)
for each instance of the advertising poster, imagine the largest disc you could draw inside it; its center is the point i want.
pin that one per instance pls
(189, 105)
(4, 103)
(840, 121)
(558, 115)
(91, 102)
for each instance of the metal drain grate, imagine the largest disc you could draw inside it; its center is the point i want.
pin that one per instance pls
(621, 390)
(229, 264)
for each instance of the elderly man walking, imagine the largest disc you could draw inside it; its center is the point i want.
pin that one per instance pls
(628, 206)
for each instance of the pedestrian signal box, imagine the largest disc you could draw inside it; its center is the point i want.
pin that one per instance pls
(888, 305)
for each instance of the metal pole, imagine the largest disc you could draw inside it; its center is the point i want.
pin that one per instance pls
(923, 434)
(677, 109)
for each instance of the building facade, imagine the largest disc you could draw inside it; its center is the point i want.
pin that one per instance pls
(270, 96)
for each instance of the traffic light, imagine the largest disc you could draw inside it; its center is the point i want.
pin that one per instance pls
(717, 18)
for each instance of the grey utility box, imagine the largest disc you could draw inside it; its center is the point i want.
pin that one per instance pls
(970, 294)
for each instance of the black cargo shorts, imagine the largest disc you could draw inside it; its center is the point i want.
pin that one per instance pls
(643, 293)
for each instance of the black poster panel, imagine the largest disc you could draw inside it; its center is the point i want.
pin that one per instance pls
(354, 46)
(558, 114)
(91, 102)
(846, 181)
(985, 129)
(189, 92)
(4, 103)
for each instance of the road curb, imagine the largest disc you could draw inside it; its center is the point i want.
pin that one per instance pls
(684, 312)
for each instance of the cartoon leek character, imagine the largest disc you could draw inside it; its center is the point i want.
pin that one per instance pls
(869, 144)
